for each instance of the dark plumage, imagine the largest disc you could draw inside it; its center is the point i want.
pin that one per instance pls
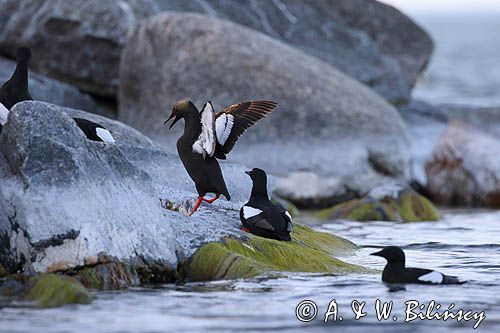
(208, 136)
(260, 216)
(94, 131)
(15, 89)
(396, 272)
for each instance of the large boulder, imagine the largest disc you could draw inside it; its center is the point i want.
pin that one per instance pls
(75, 41)
(67, 202)
(370, 41)
(106, 215)
(391, 202)
(464, 169)
(330, 138)
(45, 89)
(427, 122)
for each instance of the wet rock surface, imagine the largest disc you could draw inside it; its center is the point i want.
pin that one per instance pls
(309, 251)
(391, 202)
(328, 126)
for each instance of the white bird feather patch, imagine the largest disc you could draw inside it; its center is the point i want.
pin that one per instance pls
(223, 126)
(249, 212)
(105, 135)
(288, 214)
(205, 144)
(432, 277)
(4, 113)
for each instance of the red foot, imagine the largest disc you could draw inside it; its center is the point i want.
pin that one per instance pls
(212, 200)
(245, 229)
(198, 202)
(200, 199)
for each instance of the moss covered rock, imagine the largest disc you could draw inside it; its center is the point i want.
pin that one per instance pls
(398, 205)
(50, 290)
(108, 276)
(309, 251)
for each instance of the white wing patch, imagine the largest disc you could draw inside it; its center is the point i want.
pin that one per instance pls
(223, 126)
(4, 113)
(105, 135)
(249, 212)
(205, 144)
(288, 214)
(432, 277)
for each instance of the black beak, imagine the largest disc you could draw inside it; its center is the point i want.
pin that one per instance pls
(249, 173)
(378, 254)
(177, 118)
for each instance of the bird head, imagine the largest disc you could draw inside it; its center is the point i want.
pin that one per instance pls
(259, 179)
(392, 254)
(180, 110)
(23, 54)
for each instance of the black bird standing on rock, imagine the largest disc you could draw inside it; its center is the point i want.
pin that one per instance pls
(396, 272)
(16, 90)
(208, 136)
(260, 216)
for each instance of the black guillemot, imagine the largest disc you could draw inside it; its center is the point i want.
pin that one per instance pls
(260, 216)
(396, 272)
(94, 131)
(16, 90)
(209, 136)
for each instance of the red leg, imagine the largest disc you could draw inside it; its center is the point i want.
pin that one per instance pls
(200, 199)
(212, 200)
(245, 229)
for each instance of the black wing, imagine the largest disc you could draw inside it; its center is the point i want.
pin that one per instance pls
(92, 131)
(232, 122)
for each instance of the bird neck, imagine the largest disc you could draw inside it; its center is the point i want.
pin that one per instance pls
(20, 76)
(395, 266)
(259, 191)
(192, 125)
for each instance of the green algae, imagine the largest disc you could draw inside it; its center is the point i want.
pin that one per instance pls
(51, 290)
(408, 207)
(309, 251)
(108, 276)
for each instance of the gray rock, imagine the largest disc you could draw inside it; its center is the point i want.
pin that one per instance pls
(427, 122)
(67, 202)
(464, 168)
(45, 89)
(342, 135)
(73, 41)
(369, 40)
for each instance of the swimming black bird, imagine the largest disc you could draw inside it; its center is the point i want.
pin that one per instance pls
(16, 90)
(396, 272)
(260, 216)
(209, 136)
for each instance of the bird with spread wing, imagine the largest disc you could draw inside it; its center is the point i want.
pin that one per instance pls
(209, 136)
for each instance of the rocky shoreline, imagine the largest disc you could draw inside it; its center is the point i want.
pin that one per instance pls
(346, 138)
